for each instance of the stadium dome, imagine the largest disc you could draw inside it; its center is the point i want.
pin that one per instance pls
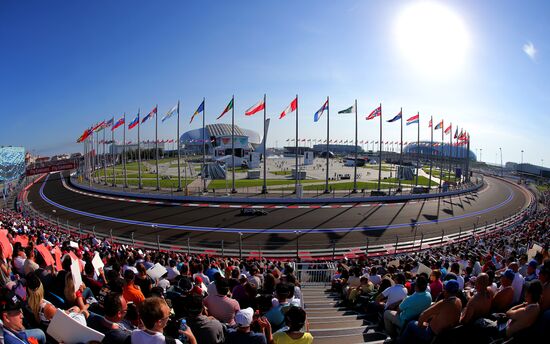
(437, 149)
(193, 138)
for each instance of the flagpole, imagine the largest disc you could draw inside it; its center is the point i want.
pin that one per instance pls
(233, 190)
(450, 150)
(418, 148)
(328, 135)
(157, 146)
(113, 153)
(104, 161)
(468, 159)
(431, 152)
(264, 185)
(179, 154)
(296, 152)
(380, 153)
(139, 152)
(203, 148)
(401, 152)
(355, 148)
(442, 160)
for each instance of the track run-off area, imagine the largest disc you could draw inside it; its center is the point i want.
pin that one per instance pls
(285, 227)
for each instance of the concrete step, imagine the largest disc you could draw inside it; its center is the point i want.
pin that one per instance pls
(335, 324)
(370, 338)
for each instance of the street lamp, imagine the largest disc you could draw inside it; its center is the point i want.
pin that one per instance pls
(501, 166)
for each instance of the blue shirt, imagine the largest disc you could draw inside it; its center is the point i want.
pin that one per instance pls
(413, 305)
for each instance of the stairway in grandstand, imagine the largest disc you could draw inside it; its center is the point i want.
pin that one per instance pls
(329, 323)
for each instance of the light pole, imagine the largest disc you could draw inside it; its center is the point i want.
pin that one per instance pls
(480, 151)
(521, 171)
(501, 166)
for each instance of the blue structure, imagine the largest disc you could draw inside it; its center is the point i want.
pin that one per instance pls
(437, 151)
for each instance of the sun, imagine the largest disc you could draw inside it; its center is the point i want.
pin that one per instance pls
(432, 39)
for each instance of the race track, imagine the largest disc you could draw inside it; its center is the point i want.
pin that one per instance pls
(316, 227)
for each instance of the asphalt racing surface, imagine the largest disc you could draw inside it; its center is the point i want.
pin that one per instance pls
(346, 224)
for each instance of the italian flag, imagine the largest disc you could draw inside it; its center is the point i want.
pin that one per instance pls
(227, 108)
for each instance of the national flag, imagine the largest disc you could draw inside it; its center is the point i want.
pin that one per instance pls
(171, 112)
(413, 120)
(109, 123)
(303, 140)
(149, 115)
(319, 112)
(85, 135)
(398, 116)
(448, 129)
(439, 125)
(430, 124)
(291, 108)
(134, 122)
(98, 126)
(351, 109)
(456, 133)
(199, 110)
(118, 124)
(227, 108)
(375, 113)
(259, 106)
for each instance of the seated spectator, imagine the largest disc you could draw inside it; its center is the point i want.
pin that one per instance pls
(295, 320)
(365, 287)
(172, 271)
(71, 297)
(544, 276)
(504, 298)
(30, 263)
(142, 280)
(112, 325)
(208, 329)
(42, 310)
(243, 334)
(154, 314)
(479, 305)
(14, 331)
(130, 291)
(205, 278)
(392, 296)
(410, 308)
(531, 271)
(436, 286)
(524, 315)
(374, 277)
(455, 269)
(440, 316)
(275, 314)
(220, 306)
(88, 278)
(517, 283)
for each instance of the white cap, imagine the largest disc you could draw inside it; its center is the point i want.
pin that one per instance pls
(243, 318)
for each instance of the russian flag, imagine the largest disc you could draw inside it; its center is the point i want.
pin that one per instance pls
(413, 120)
(118, 124)
(319, 113)
(134, 122)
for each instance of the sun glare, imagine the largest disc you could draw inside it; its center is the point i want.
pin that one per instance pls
(432, 38)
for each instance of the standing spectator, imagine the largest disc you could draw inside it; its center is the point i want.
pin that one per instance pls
(295, 319)
(220, 306)
(130, 292)
(155, 313)
(205, 278)
(518, 281)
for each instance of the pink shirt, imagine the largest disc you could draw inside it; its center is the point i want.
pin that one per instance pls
(222, 308)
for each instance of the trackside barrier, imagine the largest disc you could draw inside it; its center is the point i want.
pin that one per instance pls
(240, 248)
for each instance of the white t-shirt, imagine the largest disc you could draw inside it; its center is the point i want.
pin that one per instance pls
(460, 281)
(517, 284)
(375, 279)
(394, 294)
(142, 337)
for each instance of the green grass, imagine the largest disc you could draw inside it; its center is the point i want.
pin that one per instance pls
(165, 184)
(241, 183)
(421, 181)
(543, 188)
(347, 186)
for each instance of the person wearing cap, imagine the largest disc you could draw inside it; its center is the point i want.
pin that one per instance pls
(130, 291)
(243, 334)
(440, 316)
(11, 314)
(531, 271)
(504, 298)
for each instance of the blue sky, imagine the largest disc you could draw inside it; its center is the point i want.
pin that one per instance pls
(65, 65)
